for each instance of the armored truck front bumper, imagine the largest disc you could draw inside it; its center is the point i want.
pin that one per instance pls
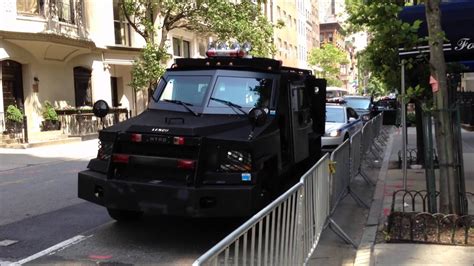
(156, 198)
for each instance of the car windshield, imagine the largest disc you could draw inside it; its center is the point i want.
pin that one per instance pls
(186, 89)
(241, 91)
(335, 115)
(358, 103)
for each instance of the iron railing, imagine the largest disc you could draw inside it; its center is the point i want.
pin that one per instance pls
(411, 221)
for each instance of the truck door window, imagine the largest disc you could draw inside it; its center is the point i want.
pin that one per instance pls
(300, 98)
(188, 89)
(243, 91)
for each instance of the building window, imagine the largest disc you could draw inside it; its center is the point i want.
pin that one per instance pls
(65, 10)
(330, 37)
(176, 47)
(30, 6)
(121, 26)
(181, 48)
(343, 70)
(202, 49)
(186, 49)
(333, 7)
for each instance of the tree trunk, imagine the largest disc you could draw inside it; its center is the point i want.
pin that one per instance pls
(164, 37)
(443, 123)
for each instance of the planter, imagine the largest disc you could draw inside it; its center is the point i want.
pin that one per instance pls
(48, 125)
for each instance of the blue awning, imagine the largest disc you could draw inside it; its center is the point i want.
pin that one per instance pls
(457, 20)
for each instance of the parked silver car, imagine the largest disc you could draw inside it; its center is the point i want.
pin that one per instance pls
(341, 123)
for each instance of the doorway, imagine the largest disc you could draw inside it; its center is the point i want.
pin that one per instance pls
(82, 86)
(12, 84)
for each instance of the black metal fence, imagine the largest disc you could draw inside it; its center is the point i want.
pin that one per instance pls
(83, 122)
(466, 106)
(409, 221)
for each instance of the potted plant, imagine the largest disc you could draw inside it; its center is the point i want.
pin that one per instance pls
(14, 119)
(51, 120)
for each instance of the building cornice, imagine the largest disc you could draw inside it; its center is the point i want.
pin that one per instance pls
(47, 37)
(123, 49)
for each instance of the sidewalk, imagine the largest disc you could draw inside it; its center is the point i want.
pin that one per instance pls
(17, 158)
(372, 249)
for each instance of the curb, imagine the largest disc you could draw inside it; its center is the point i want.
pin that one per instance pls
(364, 255)
(41, 143)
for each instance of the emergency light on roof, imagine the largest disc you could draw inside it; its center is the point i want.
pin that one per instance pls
(221, 49)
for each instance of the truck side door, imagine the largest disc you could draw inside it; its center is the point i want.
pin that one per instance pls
(301, 122)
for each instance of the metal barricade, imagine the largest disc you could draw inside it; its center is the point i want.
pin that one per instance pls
(341, 175)
(356, 159)
(286, 232)
(340, 185)
(364, 150)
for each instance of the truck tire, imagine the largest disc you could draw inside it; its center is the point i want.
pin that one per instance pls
(124, 215)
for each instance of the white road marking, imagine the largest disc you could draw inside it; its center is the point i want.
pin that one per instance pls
(7, 242)
(62, 245)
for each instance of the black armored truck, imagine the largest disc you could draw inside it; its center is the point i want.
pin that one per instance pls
(220, 137)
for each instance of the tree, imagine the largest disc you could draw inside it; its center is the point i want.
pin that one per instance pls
(449, 201)
(375, 87)
(329, 58)
(388, 33)
(241, 22)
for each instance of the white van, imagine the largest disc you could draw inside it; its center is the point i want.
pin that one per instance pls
(335, 92)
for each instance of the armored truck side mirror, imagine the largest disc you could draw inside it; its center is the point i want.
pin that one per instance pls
(100, 108)
(257, 117)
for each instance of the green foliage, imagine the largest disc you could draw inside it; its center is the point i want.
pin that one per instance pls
(148, 68)
(140, 14)
(329, 58)
(411, 118)
(48, 112)
(376, 87)
(242, 22)
(388, 33)
(14, 114)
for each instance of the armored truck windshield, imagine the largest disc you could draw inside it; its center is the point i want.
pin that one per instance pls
(213, 92)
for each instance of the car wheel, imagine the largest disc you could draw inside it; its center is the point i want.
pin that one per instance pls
(124, 215)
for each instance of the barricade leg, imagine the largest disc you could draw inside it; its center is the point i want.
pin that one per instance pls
(357, 199)
(340, 233)
(365, 177)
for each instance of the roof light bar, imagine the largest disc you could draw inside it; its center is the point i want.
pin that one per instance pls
(221, 49)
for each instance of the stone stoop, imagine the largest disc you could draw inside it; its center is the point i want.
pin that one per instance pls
(5, 139)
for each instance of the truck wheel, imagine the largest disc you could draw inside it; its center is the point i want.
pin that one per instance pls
(124, 215)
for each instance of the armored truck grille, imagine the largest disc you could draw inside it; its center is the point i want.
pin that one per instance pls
(153, 175)
(159, 150)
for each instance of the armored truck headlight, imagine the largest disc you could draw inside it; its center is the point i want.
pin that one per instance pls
(235, 161)
(105, 150)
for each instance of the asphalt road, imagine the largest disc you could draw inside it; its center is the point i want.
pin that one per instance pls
(39, 209)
